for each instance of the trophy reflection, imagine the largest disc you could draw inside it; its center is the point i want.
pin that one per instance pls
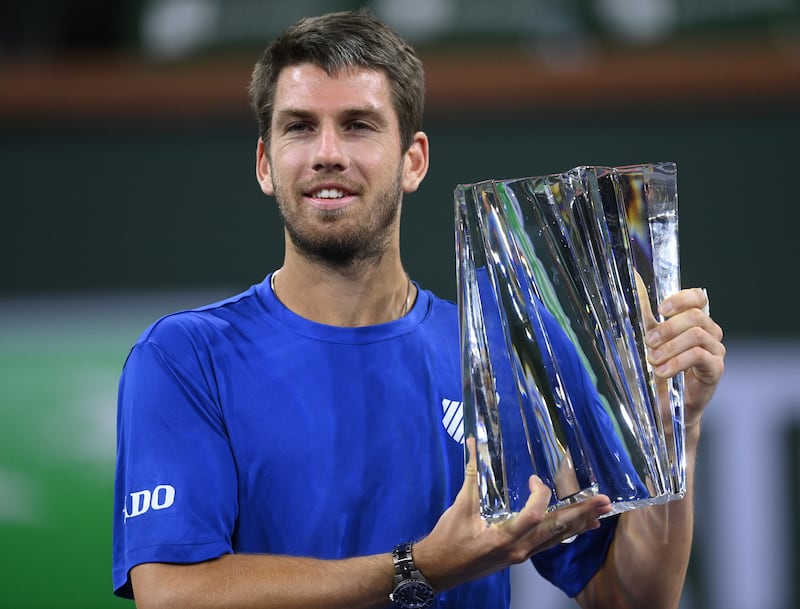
(559, 278)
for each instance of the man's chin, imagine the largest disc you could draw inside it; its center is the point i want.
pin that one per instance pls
(340, 252)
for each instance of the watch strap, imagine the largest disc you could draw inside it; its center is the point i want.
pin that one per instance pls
(407, 574)
(404, 567)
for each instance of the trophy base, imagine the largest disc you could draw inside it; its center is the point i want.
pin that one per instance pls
(500, 516)
(581, 495)
(618, 507)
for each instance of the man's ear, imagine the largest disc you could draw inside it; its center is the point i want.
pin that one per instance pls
(263, 169)
(415, 163)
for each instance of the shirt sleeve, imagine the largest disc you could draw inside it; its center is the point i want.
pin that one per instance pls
(570, 566)
(175, 488)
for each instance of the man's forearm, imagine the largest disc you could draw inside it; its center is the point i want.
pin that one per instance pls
(647, 562)
(243, 581)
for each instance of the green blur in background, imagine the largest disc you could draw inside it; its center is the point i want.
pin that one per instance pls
(60, 360)
(56, 465)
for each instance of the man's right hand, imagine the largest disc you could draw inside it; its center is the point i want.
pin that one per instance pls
(462, 547)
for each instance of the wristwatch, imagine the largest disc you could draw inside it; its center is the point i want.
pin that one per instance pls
(411, 589)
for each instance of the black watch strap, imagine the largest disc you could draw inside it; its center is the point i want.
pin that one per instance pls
(407, 574)
(404, 566)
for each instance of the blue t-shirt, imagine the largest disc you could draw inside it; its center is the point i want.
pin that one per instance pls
(244, 428)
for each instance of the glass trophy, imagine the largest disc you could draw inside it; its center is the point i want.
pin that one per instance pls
(559, 278)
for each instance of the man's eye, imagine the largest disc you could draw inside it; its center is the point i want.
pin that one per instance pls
(297, 127)
(360, 126)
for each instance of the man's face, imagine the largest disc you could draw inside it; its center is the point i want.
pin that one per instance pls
(334, 162)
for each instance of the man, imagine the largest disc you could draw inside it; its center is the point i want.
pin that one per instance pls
(284, 447)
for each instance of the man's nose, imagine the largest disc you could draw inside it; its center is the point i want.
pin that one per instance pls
(329, 152)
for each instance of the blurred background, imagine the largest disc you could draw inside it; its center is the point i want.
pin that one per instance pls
(127, 191)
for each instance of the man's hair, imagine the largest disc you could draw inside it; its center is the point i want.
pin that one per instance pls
(335, 43)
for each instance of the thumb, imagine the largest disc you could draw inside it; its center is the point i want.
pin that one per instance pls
(648, 318)
(467, 496)
(472, 459)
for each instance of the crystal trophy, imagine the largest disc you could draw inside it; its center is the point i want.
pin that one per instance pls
(559, 278)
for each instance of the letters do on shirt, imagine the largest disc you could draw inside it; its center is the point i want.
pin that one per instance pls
(140, 502)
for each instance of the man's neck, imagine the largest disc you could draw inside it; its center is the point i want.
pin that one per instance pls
(361, 294)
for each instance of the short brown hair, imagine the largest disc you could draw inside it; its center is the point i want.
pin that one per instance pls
(336, 42)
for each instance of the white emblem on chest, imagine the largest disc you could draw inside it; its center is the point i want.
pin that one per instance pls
(453, 419)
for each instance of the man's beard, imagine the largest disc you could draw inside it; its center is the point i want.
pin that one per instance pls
(368, 239)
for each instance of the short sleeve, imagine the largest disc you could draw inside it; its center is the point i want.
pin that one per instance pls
(570, 566)
(175, 487)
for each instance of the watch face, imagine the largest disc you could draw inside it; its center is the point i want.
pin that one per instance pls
(413, 594)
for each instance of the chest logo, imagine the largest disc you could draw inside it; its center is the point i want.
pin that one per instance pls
(453, 419)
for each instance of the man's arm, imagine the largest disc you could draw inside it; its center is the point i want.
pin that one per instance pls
(236, 581)
(459, 549)
(647, 561)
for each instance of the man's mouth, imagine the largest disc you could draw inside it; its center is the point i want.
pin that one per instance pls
(328, 193)
(330, 197)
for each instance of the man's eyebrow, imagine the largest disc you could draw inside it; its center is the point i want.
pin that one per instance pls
(366, 112)
(293, 113)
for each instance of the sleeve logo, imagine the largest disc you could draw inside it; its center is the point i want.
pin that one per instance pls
(141, 502)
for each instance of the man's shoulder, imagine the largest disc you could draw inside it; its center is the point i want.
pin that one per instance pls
(441, 306)
(204, 321)
(441, 314)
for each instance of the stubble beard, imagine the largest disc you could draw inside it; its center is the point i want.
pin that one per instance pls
(367, 240)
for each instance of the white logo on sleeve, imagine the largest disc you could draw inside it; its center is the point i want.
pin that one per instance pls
(453, 419)
(140, 502)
